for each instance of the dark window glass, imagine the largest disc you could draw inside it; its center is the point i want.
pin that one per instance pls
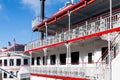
(5, 62)
(18, 62)
(52, 59)
(33, 59)
(38, 60)
(75, 58)
(104, 52)
(0, 62)
(25, 61)
(5, 75)
(114, 52)
(89, 57)
(11, 62)
(62, 59)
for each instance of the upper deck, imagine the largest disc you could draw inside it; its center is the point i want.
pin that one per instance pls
(80, 11)
(85, 21)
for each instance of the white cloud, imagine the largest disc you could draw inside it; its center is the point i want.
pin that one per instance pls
(33, 5)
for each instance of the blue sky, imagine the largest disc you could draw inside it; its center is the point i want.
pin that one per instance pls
(16, 17)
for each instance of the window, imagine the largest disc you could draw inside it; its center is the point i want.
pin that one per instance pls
(33, 59)
(52, 59)
(62, 59)
(5, 62)
(44, 60)
(11, 72)
(75, 58)
(0, 62)
(18, 62)
(11, 62)
(104, 52)
(25, 61)
(89, 57)
(38, 60)
(114, 52)
(5, 75)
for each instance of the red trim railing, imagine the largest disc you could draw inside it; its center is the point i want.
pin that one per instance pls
(57, 77)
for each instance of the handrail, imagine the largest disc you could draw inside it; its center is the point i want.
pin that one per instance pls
(111, 44)
(106, 68)
(83, 22)
(8, 73)
(75, 71)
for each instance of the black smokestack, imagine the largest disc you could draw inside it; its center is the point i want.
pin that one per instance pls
(42, 9)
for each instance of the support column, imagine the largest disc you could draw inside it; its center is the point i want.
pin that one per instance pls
(46, 32)
(68, 56)
(15, 62)
(57, 59)
(22, 60)
(45, 56)
(30, 59)
(35, 61)
(109, 41)
(8, 62)
(48, 60)
(69, 13)
(8, 59)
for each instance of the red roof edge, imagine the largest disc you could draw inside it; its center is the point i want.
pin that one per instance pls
(63, 13)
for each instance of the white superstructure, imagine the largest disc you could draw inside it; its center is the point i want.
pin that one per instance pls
(12, 61)
(79, 42)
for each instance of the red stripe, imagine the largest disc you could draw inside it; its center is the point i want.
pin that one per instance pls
(58, 77)
(77, 39)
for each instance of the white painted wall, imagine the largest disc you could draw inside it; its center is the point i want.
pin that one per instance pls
(84, 48)
(14, 68)
(116, 68)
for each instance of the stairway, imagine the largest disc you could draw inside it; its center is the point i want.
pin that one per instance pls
(104, 68)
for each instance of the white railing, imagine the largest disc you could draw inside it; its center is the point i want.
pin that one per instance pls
(36, 21)
(65, 70)
(87, 28)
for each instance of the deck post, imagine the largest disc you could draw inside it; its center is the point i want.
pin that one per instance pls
(68, 57)
(45, 55)
(30, 58)
(46, 32)
(69, 23)
(109, 50)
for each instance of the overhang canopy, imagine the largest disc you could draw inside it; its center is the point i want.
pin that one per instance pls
(80, 11)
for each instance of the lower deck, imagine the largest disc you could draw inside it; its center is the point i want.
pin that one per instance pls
(82, 59)
(81, 52)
